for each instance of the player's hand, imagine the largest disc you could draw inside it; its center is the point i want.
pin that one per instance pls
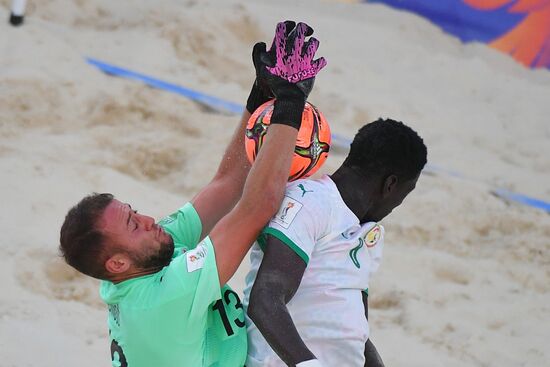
(294, 60)
(288, 69)
(260, 92)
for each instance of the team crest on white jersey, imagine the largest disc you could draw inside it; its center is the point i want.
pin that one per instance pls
(287, 212)
(370, 239)
(373, 236)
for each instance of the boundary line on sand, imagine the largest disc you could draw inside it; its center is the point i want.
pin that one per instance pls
(339, 142)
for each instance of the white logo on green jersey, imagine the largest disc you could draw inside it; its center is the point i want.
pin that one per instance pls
(195, 258)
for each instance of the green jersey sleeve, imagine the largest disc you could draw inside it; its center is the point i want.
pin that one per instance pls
(184, 226)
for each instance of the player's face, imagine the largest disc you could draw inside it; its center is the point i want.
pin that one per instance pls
(394, 198)
(136, 235)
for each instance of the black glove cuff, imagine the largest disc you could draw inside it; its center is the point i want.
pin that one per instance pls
(256, 98)
(288, 112)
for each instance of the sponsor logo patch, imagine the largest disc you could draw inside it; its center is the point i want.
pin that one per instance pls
(287, 212)
(196, 257)
(304, 191)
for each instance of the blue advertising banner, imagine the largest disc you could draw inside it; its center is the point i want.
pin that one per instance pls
(520, 28)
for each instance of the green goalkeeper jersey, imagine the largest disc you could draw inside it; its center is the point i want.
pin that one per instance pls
(178, 317)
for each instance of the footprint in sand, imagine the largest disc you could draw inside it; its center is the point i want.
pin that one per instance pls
(44, 272)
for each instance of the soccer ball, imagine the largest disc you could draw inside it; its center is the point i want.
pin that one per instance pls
(312, 144)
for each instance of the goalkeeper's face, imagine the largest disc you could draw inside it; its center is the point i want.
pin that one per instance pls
(135, 243)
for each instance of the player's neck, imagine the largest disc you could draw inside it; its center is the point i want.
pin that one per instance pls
(132, 273)
(357, 191)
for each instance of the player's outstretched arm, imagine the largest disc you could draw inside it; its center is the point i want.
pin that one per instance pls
(225, 189)
(372, 358)
(218, 197)
(278, 278)
(290, 78)
(221, 194)
(263, 193)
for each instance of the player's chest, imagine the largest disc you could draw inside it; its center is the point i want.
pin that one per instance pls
(351, 250)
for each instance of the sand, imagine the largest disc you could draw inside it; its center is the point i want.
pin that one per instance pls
(465, 279)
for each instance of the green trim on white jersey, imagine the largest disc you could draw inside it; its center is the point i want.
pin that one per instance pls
(287, 241)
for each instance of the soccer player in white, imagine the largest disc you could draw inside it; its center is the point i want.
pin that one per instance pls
(306, 294)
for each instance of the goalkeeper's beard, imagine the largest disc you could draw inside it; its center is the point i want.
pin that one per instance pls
(156, 259)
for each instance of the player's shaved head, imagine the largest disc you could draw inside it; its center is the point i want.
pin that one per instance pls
(381, 169)
(386, 147)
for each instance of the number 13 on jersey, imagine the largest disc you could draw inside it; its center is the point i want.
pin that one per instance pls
(230, 311)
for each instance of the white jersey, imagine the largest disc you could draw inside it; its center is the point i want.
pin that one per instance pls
(340, 254)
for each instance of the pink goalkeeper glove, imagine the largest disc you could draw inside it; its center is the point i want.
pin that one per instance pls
(294, 56)
(288, 70)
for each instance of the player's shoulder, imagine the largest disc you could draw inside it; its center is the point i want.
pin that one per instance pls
(311, 191)
(306, 198)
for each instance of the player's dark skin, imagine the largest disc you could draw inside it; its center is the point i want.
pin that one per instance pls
(281, 271)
